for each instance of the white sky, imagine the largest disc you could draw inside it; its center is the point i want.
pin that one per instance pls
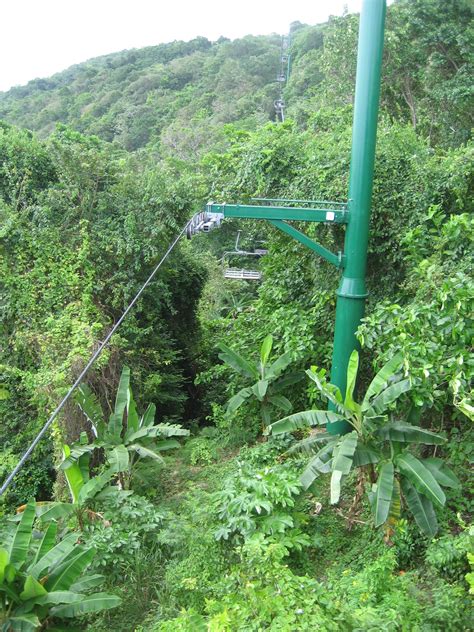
(41, 37)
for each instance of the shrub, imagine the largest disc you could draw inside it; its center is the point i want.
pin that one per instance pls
(128, 525)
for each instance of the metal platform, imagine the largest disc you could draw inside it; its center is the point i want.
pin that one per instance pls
(242, 274)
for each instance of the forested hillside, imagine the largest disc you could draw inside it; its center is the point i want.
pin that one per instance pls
(173, 96)
(192, 497)
(177, 97)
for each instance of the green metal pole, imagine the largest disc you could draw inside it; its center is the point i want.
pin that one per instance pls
(352, 290)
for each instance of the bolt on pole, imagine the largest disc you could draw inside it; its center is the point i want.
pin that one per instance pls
(352, 291)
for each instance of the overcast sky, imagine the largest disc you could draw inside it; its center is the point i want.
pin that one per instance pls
(41, 37)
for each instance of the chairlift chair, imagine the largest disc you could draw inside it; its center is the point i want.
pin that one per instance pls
(242, 274)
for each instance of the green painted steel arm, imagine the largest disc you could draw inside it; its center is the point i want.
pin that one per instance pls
(337, 260)
(244, 211)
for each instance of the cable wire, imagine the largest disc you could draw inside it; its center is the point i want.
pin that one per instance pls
(94, 357)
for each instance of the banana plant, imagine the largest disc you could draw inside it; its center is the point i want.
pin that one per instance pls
(268, 380)
(84, 491)
(46, 580)
(378, 441)
(126, 438)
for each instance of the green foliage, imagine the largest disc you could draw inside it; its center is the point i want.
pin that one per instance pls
(376, 438)
(127, 527)
(73, 255)
(175, 96)
(267, 390)
(83, 222)
(125, 439)
(442, 304)
(203, 451)
(45, 580)
(198, 561)
(261, 502)
(260, 593)
(448, 555)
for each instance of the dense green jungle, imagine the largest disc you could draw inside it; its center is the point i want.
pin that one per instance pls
(189, 484)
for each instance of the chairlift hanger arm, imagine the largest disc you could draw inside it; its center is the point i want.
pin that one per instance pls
(335, 215)
(327, 212)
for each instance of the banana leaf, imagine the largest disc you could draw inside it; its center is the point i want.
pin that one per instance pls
(76, 451)
(89, 604)
(122, 396)
(390, 394)
(47, 541)
(4, 561)
(342, 462)
(23, 623)
(74, 475)
(287, 380)
(53, 511)
(336, 478)
(265, 414)
(32, 589)
(319, 464)
(59, 597)
(344, 452)
(133, 435)
(94, 486)
(22, 538)
(277, 367)
(144, 452)
(364, 455)
(132, 415)
(266, 349)
(54, 555)
(89, 404)
(118, 458)
(330, 392)
(395, 505)
(168, 430)
(352, 369)
(281, 402)
(421, 508)
(69, 572)
(383, 493)
(87, 582)
(381, 379)
(259, 389)
(421, 477)
(304, 419)
(406, 433)
(237, 362)
(148, 418)
(309, 444)
(442, 473)
(115, 425)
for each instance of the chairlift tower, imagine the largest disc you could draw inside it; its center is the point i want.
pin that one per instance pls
(355, 213)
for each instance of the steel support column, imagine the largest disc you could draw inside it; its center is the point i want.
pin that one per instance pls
(352, 290)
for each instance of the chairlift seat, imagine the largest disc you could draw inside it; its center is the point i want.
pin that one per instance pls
(242, 274)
